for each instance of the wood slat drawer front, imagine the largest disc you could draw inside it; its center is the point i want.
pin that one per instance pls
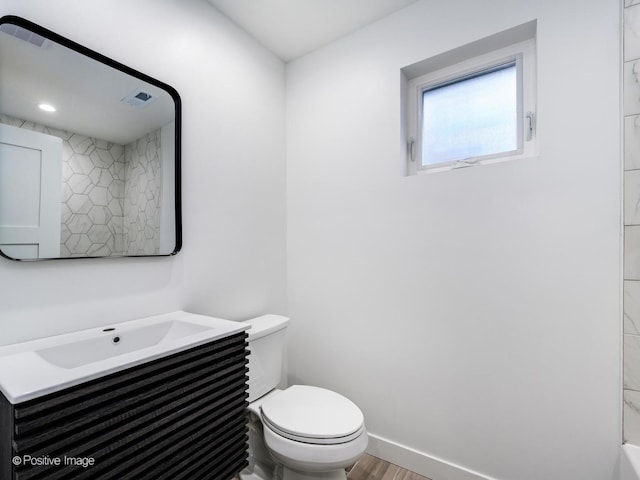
(181, 416)
(88, 425)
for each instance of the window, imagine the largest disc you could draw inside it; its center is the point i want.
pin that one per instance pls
(477, 111)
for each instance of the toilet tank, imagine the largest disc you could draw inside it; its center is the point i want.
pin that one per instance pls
(266, 351)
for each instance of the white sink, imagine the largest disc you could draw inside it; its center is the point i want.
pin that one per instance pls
(32, 369)
(113, 343)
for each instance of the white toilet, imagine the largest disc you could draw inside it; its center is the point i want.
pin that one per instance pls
(302, 432)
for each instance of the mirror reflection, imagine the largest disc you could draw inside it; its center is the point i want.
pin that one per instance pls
(89, 152)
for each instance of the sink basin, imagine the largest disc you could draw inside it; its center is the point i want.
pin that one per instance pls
(113, 343)
(32, 369)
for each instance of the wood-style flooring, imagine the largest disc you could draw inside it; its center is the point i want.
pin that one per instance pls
(374, 468)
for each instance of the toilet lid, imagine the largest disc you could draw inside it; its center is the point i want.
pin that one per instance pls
(313, 415)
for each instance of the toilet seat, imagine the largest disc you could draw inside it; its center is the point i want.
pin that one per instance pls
(313, 415)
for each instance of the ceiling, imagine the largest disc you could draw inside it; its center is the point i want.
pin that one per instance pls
(292, 28)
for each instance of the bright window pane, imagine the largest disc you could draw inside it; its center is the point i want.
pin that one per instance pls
(470, 118)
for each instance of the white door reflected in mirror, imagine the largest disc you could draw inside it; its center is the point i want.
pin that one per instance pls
(30, 183)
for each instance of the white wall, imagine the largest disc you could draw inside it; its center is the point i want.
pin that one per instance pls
(233, 259)
(474, 315)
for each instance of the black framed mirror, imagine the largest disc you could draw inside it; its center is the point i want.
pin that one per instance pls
(89, 152)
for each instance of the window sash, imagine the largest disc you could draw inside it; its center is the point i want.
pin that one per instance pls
(480, 131)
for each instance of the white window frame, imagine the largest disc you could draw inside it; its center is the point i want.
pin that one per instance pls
(523, 55)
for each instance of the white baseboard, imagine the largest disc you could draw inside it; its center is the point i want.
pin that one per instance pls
(420, 462)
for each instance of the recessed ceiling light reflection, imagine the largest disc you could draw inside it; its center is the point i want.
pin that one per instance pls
(46, 107)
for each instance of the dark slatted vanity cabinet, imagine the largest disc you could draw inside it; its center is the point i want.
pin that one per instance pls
(182, 416)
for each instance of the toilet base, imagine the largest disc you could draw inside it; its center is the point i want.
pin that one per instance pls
(289, 474)
(282, 473)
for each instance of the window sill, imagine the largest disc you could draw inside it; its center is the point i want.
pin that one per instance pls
(462, 164)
